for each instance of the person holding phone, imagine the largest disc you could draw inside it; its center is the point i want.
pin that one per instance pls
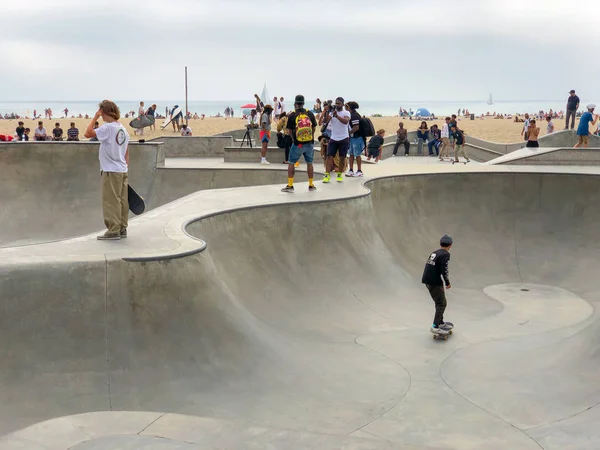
(340, 139)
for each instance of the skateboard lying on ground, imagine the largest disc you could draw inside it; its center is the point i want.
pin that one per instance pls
(448, 326)
(464, 162)
(136, 203)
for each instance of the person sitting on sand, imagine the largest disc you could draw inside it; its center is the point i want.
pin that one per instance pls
(73, 133)
(57, 133)
(186, 130)
(40, 132)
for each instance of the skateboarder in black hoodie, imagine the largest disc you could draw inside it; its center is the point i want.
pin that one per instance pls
(435, 276)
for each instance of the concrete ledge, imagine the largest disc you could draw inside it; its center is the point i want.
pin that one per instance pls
(194, 146)
(252, 155)
(560, 157)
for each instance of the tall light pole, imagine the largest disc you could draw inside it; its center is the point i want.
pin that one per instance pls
(186, 99)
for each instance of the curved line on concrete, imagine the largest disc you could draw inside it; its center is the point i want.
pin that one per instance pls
(475, 404)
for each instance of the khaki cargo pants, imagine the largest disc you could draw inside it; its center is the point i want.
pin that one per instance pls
(115, 205)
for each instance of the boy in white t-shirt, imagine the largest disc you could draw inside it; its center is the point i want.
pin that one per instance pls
(114, 165)
(185, 130)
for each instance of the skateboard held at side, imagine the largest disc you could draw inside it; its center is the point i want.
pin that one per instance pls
(136, 203)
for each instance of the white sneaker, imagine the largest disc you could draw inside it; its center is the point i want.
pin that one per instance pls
(350, 173)
(264, 162)
(439, 331)
(358, 174)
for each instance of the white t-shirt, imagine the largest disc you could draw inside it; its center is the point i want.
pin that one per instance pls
(550, 127)
(282, 106)
(253, 119)
(445, 131)
(339, 130)
(526, 125)
(40, 131)
(114, 140)
(187, 131)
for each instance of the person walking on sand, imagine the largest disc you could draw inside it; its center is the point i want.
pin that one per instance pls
(265, 133)
(459, 144)
(114, 162)
(301, 126)
(525, 127)
(532, 134)
(583, 130)
(141, 115)
(435, 275)
(357, 141)
(340, 139)
(550, 125)
(401, 139)
(572, 107)
(152, 112)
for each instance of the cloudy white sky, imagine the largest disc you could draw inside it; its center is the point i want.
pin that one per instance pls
(364, 49)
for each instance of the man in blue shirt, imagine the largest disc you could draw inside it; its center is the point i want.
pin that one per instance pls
(583, 130)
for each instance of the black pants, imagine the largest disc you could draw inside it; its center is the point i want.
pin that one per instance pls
(406, 144)
(533, 144)
(571, 113)
(439, 298)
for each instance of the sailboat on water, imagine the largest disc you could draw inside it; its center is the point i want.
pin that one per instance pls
(490, 101)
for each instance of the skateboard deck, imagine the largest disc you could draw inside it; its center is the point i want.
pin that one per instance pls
(136, 203)
(448, 326)
(464, 162)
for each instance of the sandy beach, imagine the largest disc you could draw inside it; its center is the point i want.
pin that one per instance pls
(490, 129)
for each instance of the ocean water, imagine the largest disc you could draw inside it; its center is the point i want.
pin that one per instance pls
(385, 108)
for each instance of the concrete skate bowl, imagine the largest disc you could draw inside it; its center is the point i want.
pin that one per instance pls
(51, 191)
(312, 319)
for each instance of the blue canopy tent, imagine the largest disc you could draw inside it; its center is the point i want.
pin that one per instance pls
(422, 112)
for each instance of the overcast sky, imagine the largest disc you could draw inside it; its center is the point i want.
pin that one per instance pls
(368, 49)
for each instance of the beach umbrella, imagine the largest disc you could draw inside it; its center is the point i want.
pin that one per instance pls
(247, 108)
(422, 112)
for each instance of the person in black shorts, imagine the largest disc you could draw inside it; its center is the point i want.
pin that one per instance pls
(435, 275)
(339, 140)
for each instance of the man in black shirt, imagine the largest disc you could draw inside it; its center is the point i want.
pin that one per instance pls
(301, 126)
(20, 131)
(572, 107)
(435, 276)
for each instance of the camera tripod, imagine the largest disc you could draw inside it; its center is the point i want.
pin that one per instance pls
(247, 137)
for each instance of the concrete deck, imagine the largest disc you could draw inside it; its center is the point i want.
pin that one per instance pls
(249, 318)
